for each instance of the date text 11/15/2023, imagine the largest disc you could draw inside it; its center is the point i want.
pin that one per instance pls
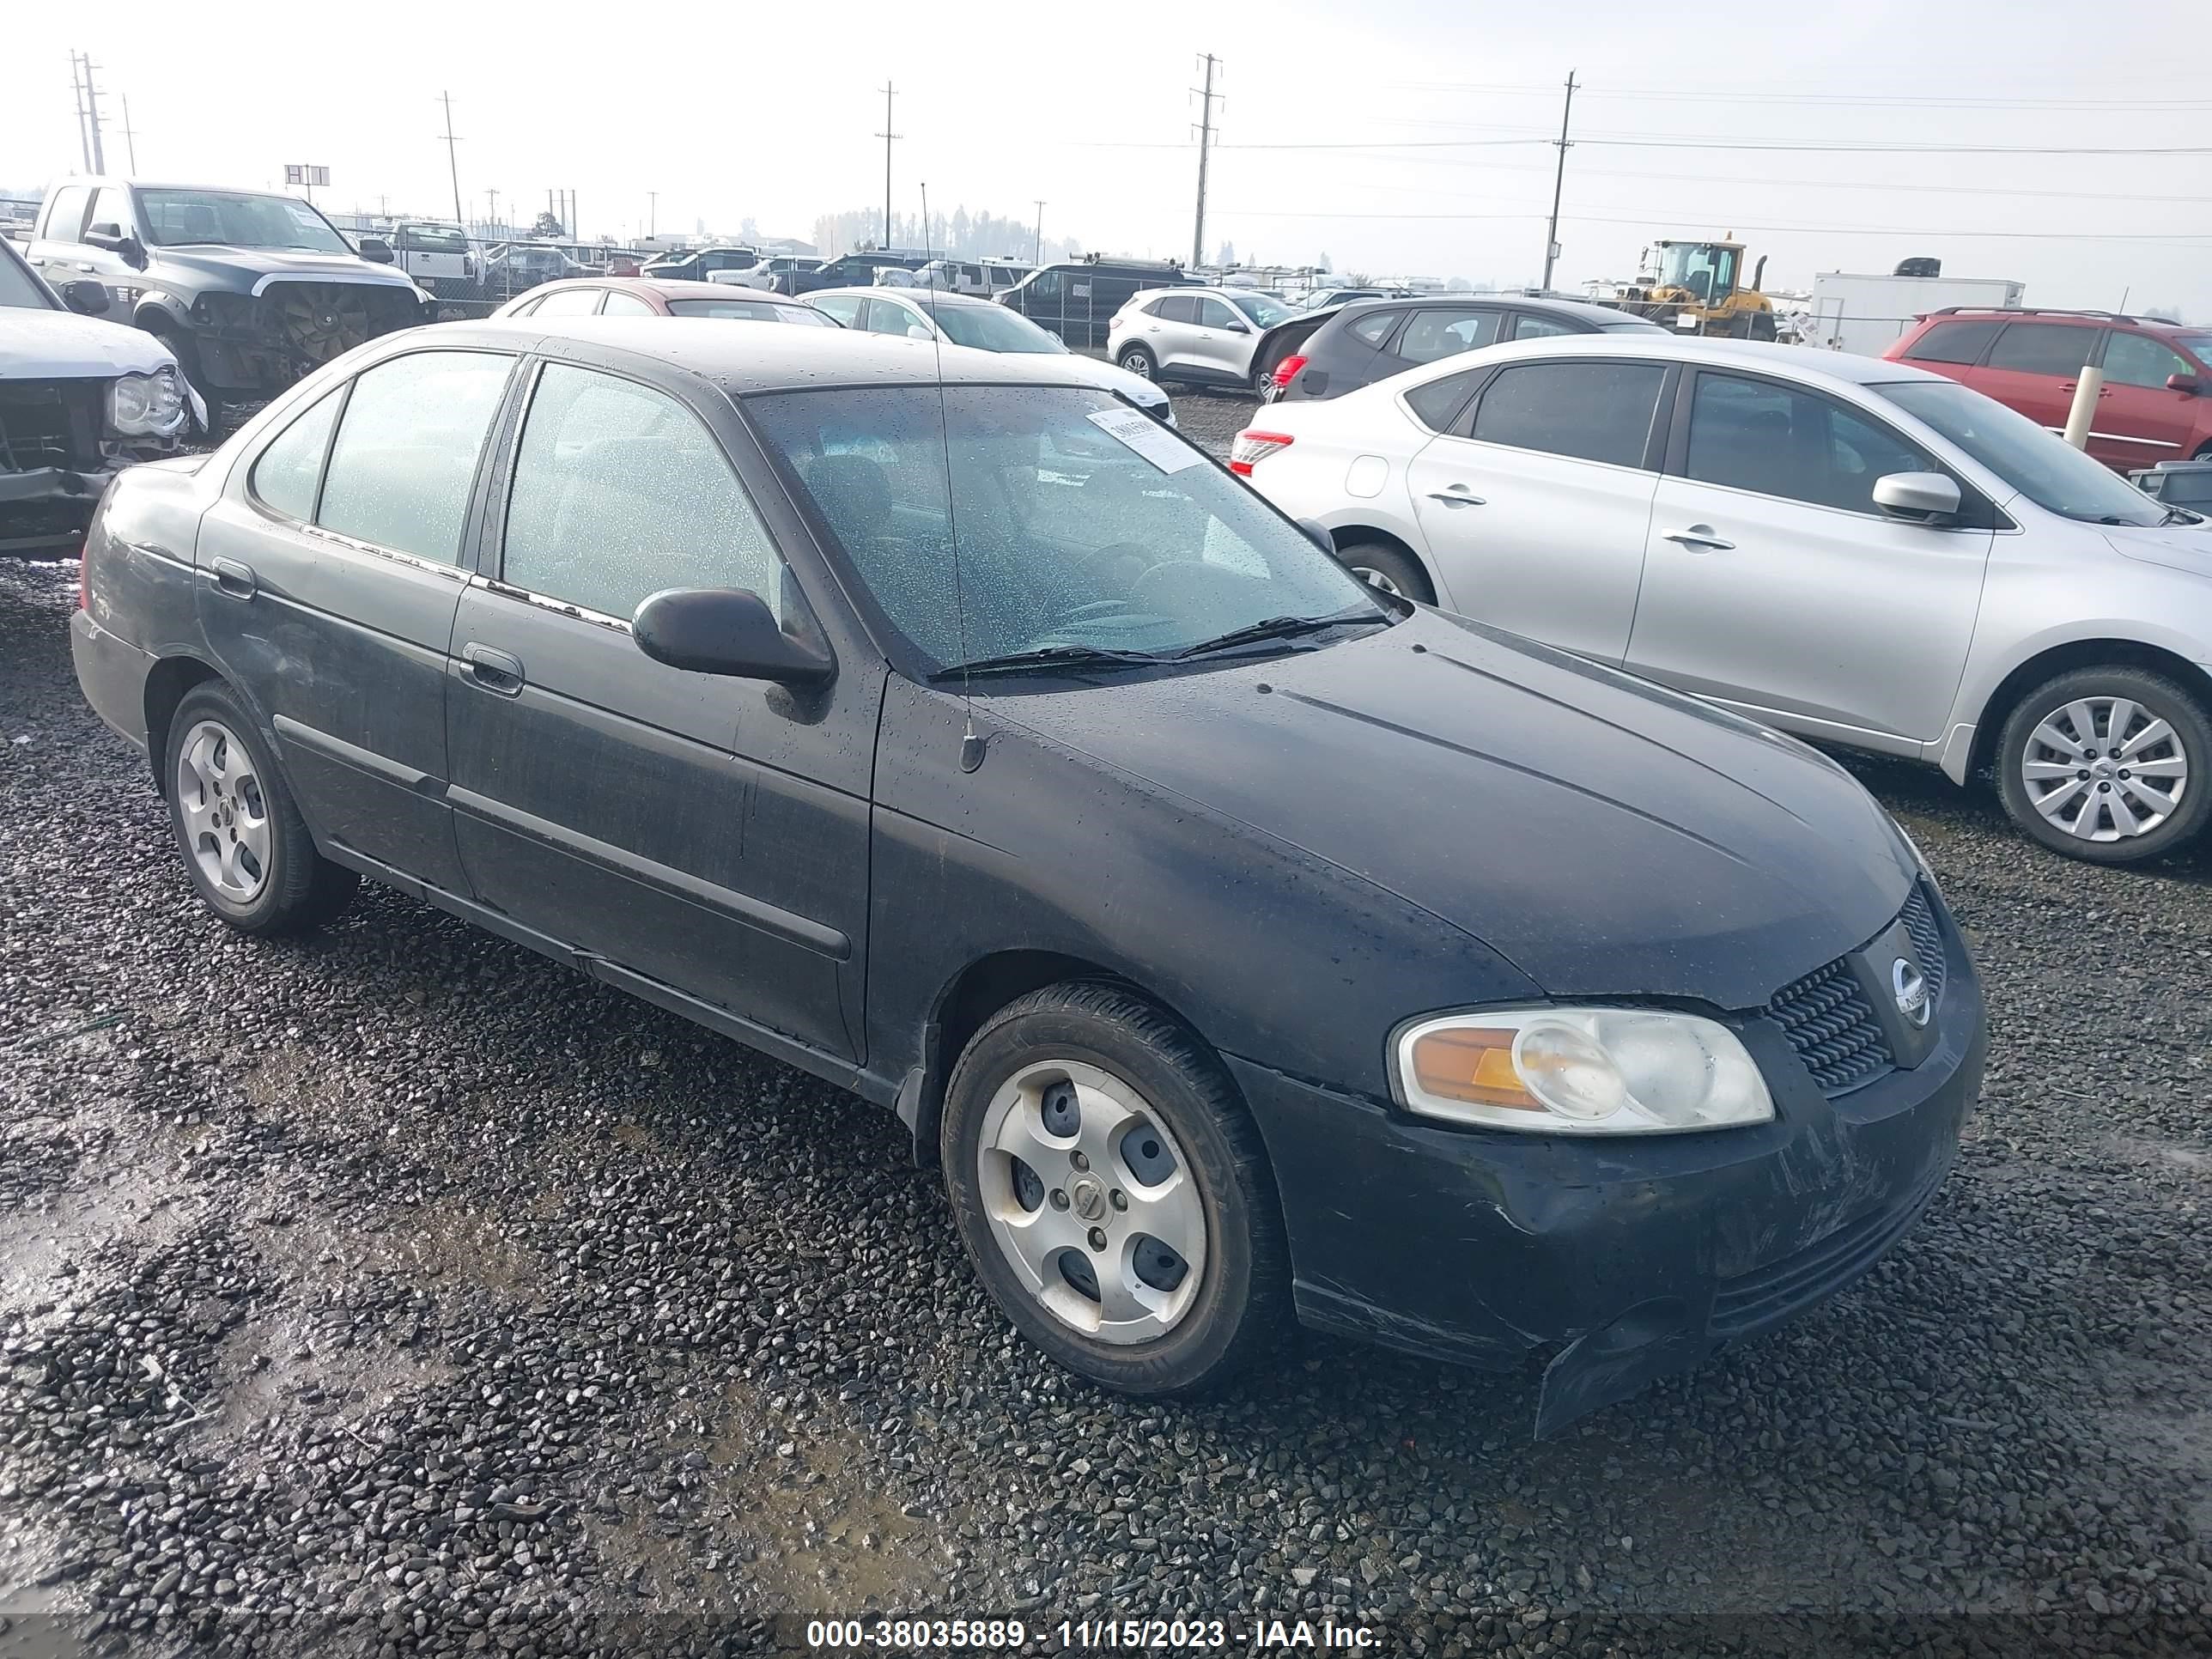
(877, 1635)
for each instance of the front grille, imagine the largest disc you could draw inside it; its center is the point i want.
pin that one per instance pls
(49, 423)
(1832, 1025)
(1927, 938)
(317, 321)
(1769, 1294)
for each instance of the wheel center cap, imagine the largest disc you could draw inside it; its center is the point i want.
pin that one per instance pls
(1087, 1197)
(2106, 769)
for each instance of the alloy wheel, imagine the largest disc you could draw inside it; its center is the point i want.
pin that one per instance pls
(1093, 1201)
(1376, 579)
(225, 812)
(1139, 365)
(2104, 768)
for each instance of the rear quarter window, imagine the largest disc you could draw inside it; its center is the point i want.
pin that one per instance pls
(1952, 343)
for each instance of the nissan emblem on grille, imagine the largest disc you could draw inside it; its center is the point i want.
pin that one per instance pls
(1910, 987)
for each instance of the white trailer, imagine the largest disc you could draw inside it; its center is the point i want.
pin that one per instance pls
(1865, 313)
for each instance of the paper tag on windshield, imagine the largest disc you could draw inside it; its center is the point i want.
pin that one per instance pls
(1141, 433)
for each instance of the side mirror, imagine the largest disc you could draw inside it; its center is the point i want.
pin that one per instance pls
(87, 299)
(727, 630)
(375, 250)
(114, 238)
(1922, 497)
(1236, 327)
(1317, 533)
(2181, 383)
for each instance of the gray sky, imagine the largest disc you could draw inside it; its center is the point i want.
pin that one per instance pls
(768, 111)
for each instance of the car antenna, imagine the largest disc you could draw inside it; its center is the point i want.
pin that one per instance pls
(972, 742)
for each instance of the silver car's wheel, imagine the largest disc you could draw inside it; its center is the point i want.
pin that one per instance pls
(1375, 578)
(225, 809)
(1139, 363)
(2104, 768)
(1092, 1201)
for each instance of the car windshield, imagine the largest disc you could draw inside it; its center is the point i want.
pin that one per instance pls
(749, 311)
(1264, 312)
(2198, 346)
(184, 218)
(18, 287)
(991, 328)
(2050, 471)
(1083, 526)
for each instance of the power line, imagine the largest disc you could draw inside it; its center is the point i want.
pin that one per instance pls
(1838, 230)
(1633, 141)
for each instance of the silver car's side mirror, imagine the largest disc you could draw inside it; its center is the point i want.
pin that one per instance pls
(1922, 497)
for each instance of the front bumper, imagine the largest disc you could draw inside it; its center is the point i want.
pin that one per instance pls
(1622, 1260)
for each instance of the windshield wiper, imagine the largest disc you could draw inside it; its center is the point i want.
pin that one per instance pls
(1049, 656)
(1275, 628)
(2181, 515)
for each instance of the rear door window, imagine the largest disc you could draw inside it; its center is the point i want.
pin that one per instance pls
(845, 307)
(1433, 335)
(2042, 347)
(1954, 343)
(405, 461)
(619, 304)
(65, 218)
(569, 303)
(1594, 411)
(286, 475)
(1176, 308)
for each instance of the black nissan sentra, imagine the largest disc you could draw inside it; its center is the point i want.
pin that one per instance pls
(1248, 949)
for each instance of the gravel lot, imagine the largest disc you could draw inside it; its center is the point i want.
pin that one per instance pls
(396, 1291)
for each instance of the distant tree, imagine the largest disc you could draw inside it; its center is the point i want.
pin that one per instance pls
(1322, 263)
(1356, 279)
(1226, 255)
(2162, 314)
(1458, 285)
(749, 229)
(546, 225)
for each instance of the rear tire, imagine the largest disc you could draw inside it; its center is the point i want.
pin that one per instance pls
(1079, 1213)
(2063, 768)
(1390, 568)
(246, 848)
(1137, 360)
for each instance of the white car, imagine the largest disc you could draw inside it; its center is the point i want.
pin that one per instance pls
(981, 325)
(85, 398)
(1848, 549)
(1200, 336)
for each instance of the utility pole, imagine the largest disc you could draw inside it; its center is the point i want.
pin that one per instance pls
(652, 211)
(452, 167)
(88, 111)
(76, 96)
(1205, 142)
(887, 135)
(1037, 254)
(491, 221)
(129, 137)
(1559, 184)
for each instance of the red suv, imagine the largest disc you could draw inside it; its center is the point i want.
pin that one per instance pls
(2157, 401)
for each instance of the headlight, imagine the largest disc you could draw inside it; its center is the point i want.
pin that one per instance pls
(1580, 1071)
(146, 406)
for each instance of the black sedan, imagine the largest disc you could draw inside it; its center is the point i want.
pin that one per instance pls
(1247, 947)
(1356, 344)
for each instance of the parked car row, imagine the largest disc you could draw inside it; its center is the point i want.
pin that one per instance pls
(1022, 703)
(1845, 548)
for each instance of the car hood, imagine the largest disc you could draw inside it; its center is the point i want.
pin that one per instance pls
(2179, 546)
(1609, 838)
(1132, 388)
(239, 269)
(60, 345)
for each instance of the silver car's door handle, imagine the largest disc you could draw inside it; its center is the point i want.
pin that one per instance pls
(1456, 496)
(1699, 539)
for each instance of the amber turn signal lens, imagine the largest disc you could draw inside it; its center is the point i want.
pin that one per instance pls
(1471, 1063)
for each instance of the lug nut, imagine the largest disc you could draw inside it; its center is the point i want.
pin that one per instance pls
(1120, 1198)
(1059, 1198)
(1078, 1160)
(1097, 1238)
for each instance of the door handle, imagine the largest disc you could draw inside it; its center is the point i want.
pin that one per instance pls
(232, 578)
(494, 671)
(1457, 496)
(1699, 539)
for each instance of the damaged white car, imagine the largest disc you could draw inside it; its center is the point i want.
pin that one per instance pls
(80, 400)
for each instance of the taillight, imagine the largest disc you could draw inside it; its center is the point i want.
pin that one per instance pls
(1287, 371)
(1253, 447)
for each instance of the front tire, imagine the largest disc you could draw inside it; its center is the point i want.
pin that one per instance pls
(1390, 568)
(246, 848)
(2108, 765)
(1137, 360)
(1113, 1193)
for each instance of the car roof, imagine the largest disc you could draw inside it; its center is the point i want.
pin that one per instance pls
(938, 297)
(1812, 363)
(668, 287)
(743, 361)
(1600, 315)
